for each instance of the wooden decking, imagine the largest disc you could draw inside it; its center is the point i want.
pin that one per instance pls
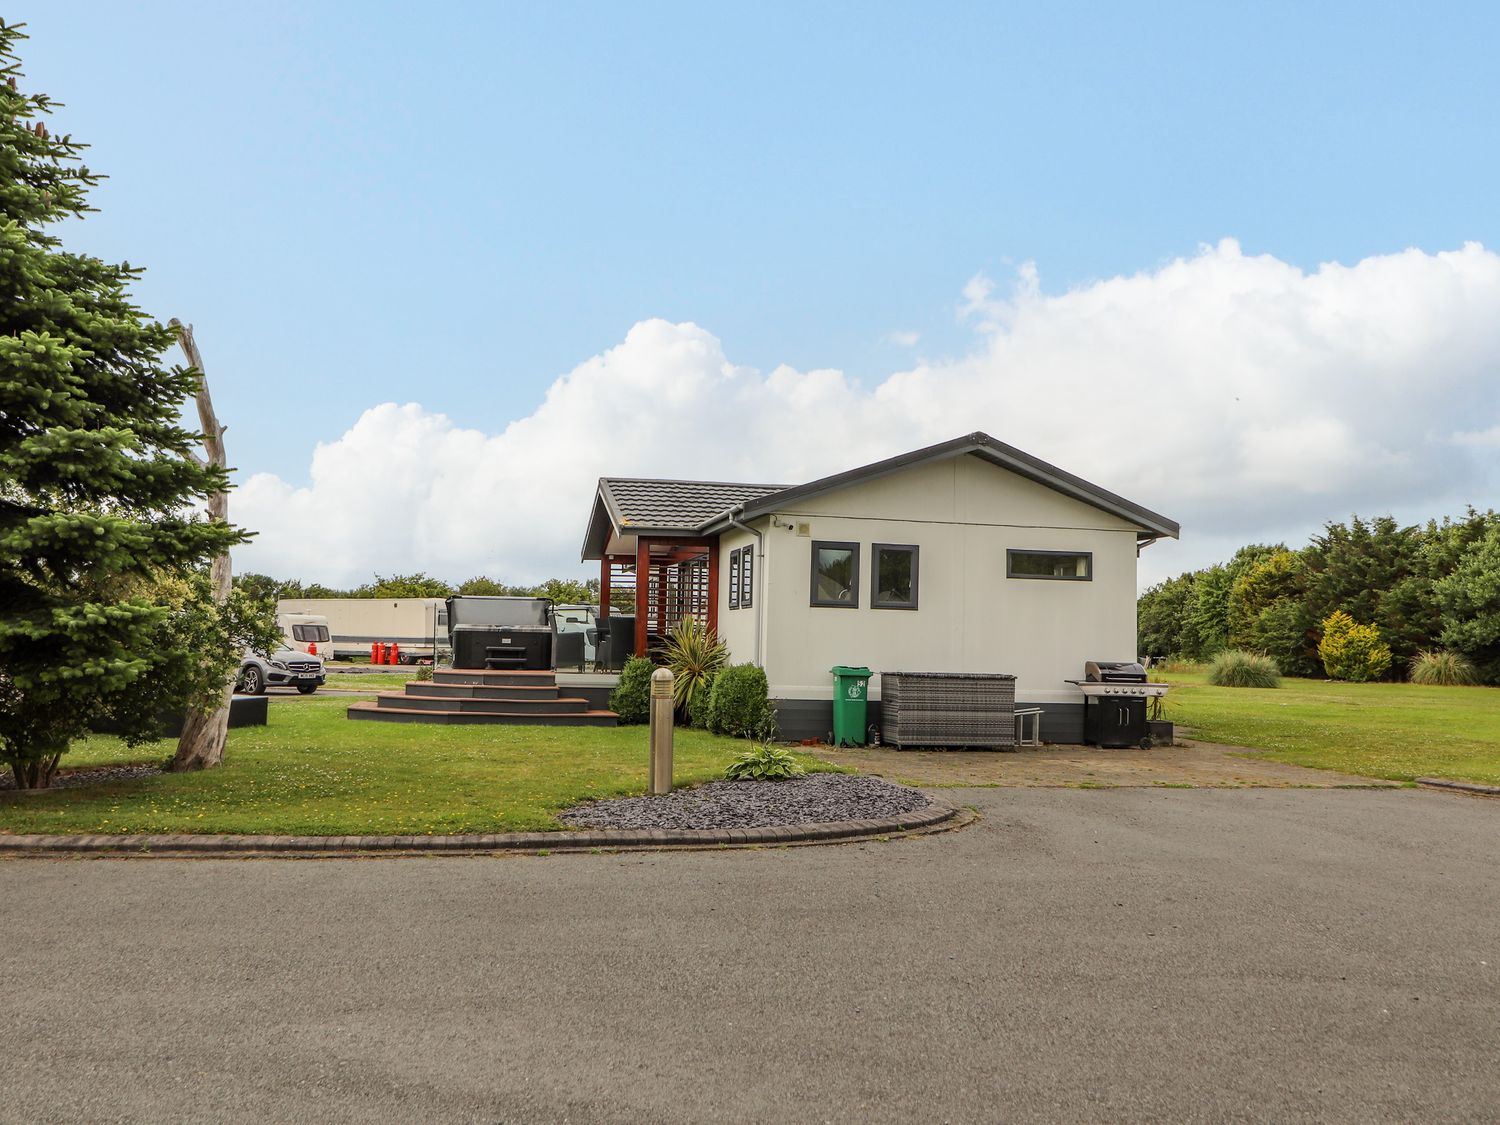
(454, 697)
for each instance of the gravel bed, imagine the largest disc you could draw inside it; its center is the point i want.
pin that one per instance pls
(814, 799)
(97, 775)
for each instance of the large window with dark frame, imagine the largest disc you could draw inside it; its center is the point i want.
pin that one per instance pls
(835, 574)
(734, 579)
(893, 575)
(1062, 566)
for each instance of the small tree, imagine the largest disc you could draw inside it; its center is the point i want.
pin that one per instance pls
(1351, 651)
(417, 585)
(484, 587)
(96, 471)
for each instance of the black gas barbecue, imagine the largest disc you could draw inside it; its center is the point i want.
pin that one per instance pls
(1114, 703)
(500, 633)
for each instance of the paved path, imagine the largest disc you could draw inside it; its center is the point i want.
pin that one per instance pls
(1076, 955)
(1199, 764)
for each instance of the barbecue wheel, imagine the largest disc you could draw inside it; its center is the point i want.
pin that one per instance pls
(1146, 743)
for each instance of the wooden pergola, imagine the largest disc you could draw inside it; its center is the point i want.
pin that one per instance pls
(661, 538)
(674, 577)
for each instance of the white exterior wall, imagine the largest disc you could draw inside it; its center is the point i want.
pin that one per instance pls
(963, 514)
(737, 626)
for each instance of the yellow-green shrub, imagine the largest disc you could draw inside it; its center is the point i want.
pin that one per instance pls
(1351, 651)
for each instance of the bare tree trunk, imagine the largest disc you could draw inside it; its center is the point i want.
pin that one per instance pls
(206, 725)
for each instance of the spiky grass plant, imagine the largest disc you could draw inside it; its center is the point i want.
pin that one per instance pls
(1443, 668)
(695, 655)
(1237, 668)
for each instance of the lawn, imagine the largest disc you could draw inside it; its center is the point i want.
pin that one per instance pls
(1396, 731)
(313, 772)
(370, 681)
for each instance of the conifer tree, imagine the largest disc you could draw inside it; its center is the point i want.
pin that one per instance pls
(97, 483)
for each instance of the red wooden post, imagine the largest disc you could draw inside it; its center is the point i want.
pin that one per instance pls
(604, 569)
(713, 589)
(662, 623)
(642, 591)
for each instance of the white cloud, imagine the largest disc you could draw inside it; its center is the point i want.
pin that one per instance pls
(904, 339)
(1240, 395)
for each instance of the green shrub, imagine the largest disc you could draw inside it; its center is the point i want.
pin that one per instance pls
(764, 763)
(1237, 668)
(697, 710)
(1448, 668)
(424, 673)
(1351, 651)
(739, 704)
(695, 655)
(632, 696)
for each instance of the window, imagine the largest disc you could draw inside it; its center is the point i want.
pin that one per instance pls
(835, 574)
(893, 576)
(747, 577)
(734, 579)
(305, 633)
(1067, 566)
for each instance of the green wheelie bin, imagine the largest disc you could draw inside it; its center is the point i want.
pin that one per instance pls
(850, 688)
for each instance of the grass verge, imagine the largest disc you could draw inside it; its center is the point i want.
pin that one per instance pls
(313, 772)
(1397, 731)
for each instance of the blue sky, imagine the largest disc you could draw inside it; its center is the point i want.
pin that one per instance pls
(358, 204)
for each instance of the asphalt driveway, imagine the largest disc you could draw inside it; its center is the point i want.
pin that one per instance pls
(1118, 954)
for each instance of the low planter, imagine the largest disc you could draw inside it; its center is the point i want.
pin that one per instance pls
(1162, 732)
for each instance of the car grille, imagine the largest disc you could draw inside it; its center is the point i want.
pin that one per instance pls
(302, 665)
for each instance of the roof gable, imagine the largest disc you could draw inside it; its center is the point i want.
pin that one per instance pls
(633, 505)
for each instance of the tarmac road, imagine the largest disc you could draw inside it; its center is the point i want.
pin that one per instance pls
(1077, 954)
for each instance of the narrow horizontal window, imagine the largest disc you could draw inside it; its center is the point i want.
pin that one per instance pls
(1066, 566)
(835, 574)
(893, 576)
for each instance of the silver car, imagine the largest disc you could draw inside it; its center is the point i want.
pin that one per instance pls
(286, 667)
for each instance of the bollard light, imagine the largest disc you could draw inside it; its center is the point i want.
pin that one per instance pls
(660, 776)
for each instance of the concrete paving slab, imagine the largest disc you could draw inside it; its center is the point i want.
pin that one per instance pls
(1191, 764)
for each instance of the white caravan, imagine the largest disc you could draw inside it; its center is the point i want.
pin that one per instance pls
(358, 623)
(302, 631)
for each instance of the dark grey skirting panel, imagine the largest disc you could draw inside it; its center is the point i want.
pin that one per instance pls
(813, 718)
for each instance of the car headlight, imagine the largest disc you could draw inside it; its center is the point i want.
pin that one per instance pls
(278, 664)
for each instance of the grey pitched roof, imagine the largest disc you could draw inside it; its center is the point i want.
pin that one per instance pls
(631, 505)
(688, 507)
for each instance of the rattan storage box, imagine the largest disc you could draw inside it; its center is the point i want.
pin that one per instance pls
(948, 709)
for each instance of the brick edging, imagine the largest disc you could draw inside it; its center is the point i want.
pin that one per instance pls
(1461, 786)
(611, 839)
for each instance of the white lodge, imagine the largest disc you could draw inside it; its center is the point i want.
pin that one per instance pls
(968, 556)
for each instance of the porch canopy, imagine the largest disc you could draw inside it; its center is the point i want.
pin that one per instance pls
(649, 533)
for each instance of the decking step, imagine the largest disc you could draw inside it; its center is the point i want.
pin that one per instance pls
(481, 691)
(417, 701)
(373, 711)
(489, 677)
